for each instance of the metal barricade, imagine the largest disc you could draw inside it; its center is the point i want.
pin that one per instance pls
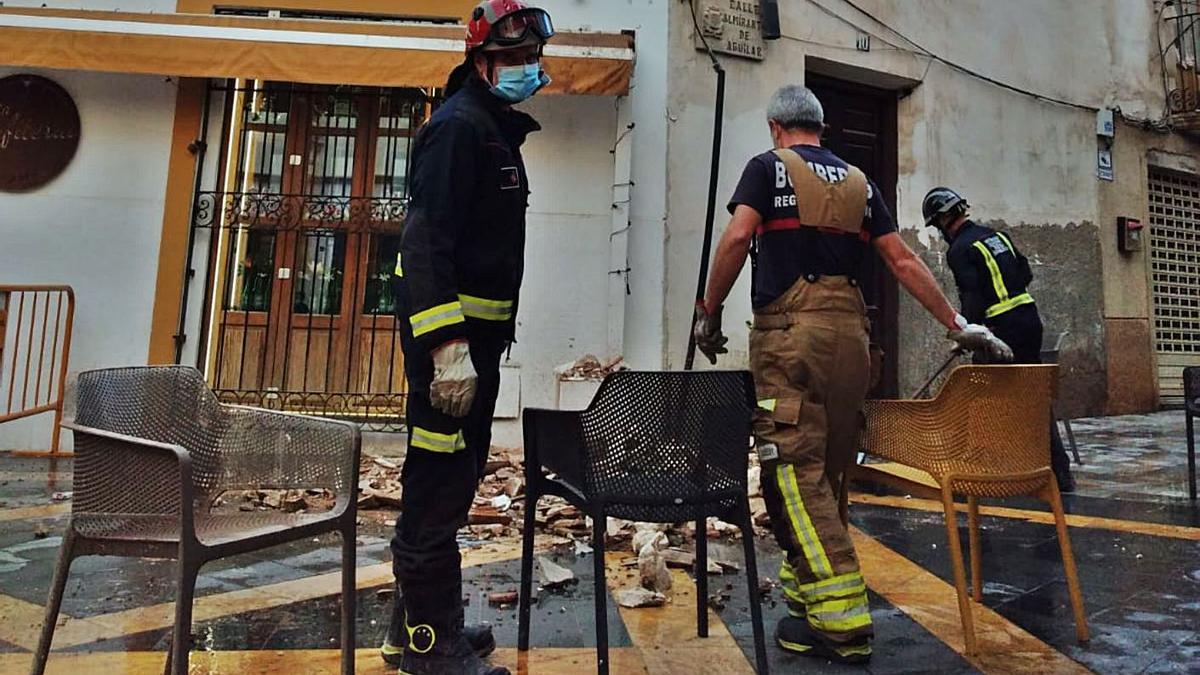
(35, 348)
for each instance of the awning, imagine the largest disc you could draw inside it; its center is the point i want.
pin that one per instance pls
(372, 53)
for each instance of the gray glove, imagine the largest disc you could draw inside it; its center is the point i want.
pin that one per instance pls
(452, 390)
(707, 332)
(976, 338)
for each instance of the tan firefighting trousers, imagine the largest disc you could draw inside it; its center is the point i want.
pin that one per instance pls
(809, 354)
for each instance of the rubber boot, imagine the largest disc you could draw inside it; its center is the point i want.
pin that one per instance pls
(479, 637)
(793, 634)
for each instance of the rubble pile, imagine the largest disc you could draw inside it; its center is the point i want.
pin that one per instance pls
(498, 514)
(589, 368)
(289, 501)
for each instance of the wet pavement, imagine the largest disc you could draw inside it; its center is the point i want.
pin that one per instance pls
(1136, 540)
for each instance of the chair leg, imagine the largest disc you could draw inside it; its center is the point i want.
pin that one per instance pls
(181, 637)
(524, 601)
(349, 598)
(54, 603)
(601, 603)
(960, 573)
(1071, 441)
(756, 618)
(702, 577)
(1052, 495)
(976, 551)
(1191, 450)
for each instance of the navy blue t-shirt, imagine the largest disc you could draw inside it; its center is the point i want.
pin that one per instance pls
(784, 252)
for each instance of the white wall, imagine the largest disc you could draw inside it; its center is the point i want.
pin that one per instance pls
(1022, 160)
(647, 109)
(564, 310)
(96, 226)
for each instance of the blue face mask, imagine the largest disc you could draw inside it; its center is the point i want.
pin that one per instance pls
(518, 83)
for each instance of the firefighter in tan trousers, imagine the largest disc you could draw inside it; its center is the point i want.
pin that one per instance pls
(807, 218)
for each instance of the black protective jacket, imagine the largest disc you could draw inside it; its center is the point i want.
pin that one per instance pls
(991, 274)
(462, 253)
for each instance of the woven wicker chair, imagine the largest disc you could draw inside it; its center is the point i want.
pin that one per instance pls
(652, 447)
(1191, 407)
(153, 450)
(986, 434)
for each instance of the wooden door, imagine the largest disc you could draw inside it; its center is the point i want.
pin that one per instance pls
(861, 130)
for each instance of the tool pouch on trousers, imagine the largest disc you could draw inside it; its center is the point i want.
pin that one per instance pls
(789, 428)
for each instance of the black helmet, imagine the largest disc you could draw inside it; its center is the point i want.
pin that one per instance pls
(940, 201)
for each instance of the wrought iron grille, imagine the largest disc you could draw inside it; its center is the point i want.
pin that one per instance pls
(302, 230)
(1185, 97)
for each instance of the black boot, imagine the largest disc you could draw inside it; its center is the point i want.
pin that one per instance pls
(443, 656)
(479, 637)
(793, 634)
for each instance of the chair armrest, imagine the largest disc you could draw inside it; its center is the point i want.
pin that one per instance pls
(271, 449)
(130, 477)
(554, 440)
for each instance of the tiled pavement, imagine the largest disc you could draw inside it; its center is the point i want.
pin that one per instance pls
(1136, 540)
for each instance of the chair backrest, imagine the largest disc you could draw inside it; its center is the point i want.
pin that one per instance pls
(668, 432)
(986, 420)
(1191, 388)
(167, 404)
(1052, 345)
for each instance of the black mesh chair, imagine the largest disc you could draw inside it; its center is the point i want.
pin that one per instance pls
(153, 451)
(1191, 406)
(651, 447)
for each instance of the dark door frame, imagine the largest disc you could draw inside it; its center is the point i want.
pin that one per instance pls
(885, 313)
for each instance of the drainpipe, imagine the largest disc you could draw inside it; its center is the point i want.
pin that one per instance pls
(199, 147)
(770, 31)
(714, 174)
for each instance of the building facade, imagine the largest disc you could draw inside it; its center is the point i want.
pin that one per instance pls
(240, 179)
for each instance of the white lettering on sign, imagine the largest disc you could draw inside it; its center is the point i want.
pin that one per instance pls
(733, 27)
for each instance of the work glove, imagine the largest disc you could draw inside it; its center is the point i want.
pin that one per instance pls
(452, 390)
(976, 338)
(707, 332)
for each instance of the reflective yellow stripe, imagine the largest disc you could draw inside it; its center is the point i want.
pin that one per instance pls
(844, 586)
(436, 442)
(436, 317)
(802, 525)
(768, 404)
(1012, 303)
(860, 650)
(794, 646)
(399, 271)
(1004, 303)
(840, 616)
(1007, 242)
(485, 309)
(994, 269)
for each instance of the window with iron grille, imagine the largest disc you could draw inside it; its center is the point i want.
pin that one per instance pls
(303, 228)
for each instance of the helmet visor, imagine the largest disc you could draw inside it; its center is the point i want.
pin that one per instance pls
(517, 27)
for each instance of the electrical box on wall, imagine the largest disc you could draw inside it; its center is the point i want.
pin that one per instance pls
(1129, 234)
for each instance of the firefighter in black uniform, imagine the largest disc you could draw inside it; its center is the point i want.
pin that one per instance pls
(456, 284)
(993, 278)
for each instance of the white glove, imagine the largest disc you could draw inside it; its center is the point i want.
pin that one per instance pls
(976, 338)
(452, 390)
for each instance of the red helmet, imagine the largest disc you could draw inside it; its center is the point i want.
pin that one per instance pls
(504, 24)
